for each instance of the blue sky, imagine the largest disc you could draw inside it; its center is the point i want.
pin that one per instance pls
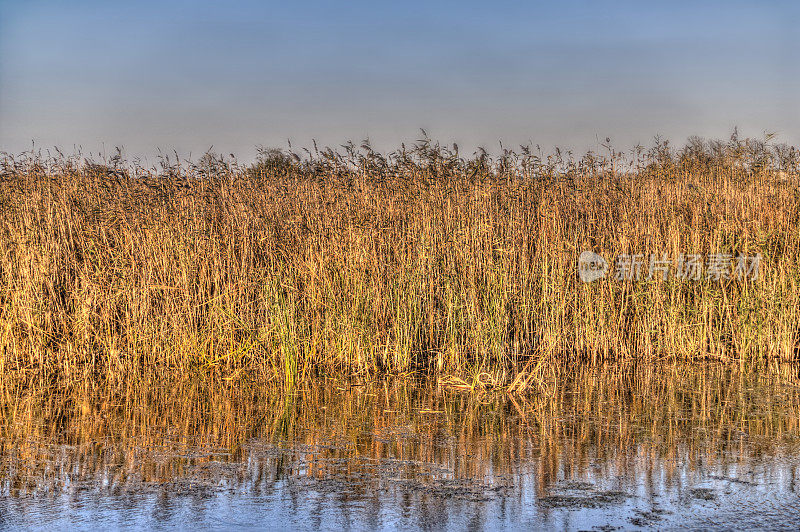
(234, 75)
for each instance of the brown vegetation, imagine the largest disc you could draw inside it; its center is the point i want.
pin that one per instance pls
(361, 263)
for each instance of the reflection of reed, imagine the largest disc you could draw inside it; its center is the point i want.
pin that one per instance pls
(645, 426)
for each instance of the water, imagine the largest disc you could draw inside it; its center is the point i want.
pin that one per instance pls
(702, 448)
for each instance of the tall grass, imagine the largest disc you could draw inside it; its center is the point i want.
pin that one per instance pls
(357, 262)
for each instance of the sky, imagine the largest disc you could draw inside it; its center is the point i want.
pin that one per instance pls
(231, 76)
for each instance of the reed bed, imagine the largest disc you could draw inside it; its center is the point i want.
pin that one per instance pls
(421, 261)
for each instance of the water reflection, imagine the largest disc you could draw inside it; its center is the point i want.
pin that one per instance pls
(658, 447)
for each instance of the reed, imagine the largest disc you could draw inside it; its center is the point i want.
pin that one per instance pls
(419, 261)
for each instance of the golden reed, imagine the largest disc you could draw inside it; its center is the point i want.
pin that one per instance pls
(420, 261)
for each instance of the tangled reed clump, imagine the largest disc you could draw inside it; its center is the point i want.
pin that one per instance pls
(357, 262)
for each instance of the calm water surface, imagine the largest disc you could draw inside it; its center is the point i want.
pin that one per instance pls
(704, 448)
